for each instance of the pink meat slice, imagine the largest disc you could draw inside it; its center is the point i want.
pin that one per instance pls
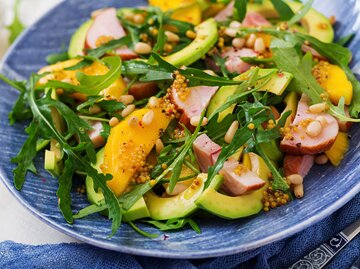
(206, 153)
(233, 62)
(314, 53)
(105, 24)
(298, 164)
(238, 184)
(300, 143)
(205, 149)
(254, 19)
(126, 54)
(196, 101)
(95, 134)
(227, 12)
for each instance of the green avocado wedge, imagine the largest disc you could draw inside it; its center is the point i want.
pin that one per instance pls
(77, 41)
(178, 206)
(234, 207)
(315, 23)
(206, 37)
(277, 85)
(138, 211)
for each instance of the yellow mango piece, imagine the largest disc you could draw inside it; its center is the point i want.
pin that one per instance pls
(334, 81)
(338, 150)
(129, 145)
(186, 10)
(114, 91)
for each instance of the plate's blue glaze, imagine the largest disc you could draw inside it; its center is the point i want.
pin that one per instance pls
(327, 188)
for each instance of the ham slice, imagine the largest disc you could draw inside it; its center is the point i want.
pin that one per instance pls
(298, 164)
(106, 24)
(95, 134)
(254, 19)
(227, 12)
(126, 54)
(233, 62)
(299, 142)
(195, 102)
(314, 53)
(141, 90)
(206, 153)
(239, 183)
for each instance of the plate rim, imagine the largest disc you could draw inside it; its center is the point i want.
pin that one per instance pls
(301, 226)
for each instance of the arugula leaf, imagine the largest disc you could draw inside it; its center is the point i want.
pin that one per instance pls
(91, 209)
(110, 46)
(285, 12)
(63, 192)
(86, 61)
(287, 59)
(57, 57)
(240, 7)
(25, 158)
(174, 224)
(161, 38)
(43, 120)
(91, 85)
(141, 232)
(16, 27)
(106, 130)
(217, 130)
(301, 13)
(345, 40)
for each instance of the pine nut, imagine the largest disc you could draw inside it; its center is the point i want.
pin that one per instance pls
(127, 99)
(321, 159)
(235, 25)
(194, 121)
(142, 48)
(317, 108)
(148, 118)
(322, 120)
(231, 132)
(299, 190)
(190, 34)
(179, 188)
(314, 128)
(159, 146)
(230, 32)
(295, 179)
(210, 72)
(153, 102)
(127, 111)
(139, 19)
(238, 42)
(113, 121)
(172, 37)
(250, 42)
(95, 109)
(259, 45)
(133, 121)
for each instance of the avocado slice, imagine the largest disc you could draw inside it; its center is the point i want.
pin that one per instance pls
(138, 211)
(206, 37)
(277, 85)
(178, 206)
(230, 207)
(315, 23)
(77, 41)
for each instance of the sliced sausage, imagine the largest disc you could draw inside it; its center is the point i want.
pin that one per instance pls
(298, 142)
(106, 24)
(233, 62)
(298, 164)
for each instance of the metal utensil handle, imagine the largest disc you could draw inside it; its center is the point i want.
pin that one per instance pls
(319, 257)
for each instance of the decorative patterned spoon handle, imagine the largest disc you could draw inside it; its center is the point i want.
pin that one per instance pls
(319, 257)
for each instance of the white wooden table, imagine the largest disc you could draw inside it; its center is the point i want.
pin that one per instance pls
(17, 224)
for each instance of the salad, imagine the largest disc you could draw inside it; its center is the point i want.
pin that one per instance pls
(182, 106)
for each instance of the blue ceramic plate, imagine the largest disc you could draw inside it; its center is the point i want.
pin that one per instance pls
(327, 188)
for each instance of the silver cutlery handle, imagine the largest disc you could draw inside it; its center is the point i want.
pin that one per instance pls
(319, 257)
